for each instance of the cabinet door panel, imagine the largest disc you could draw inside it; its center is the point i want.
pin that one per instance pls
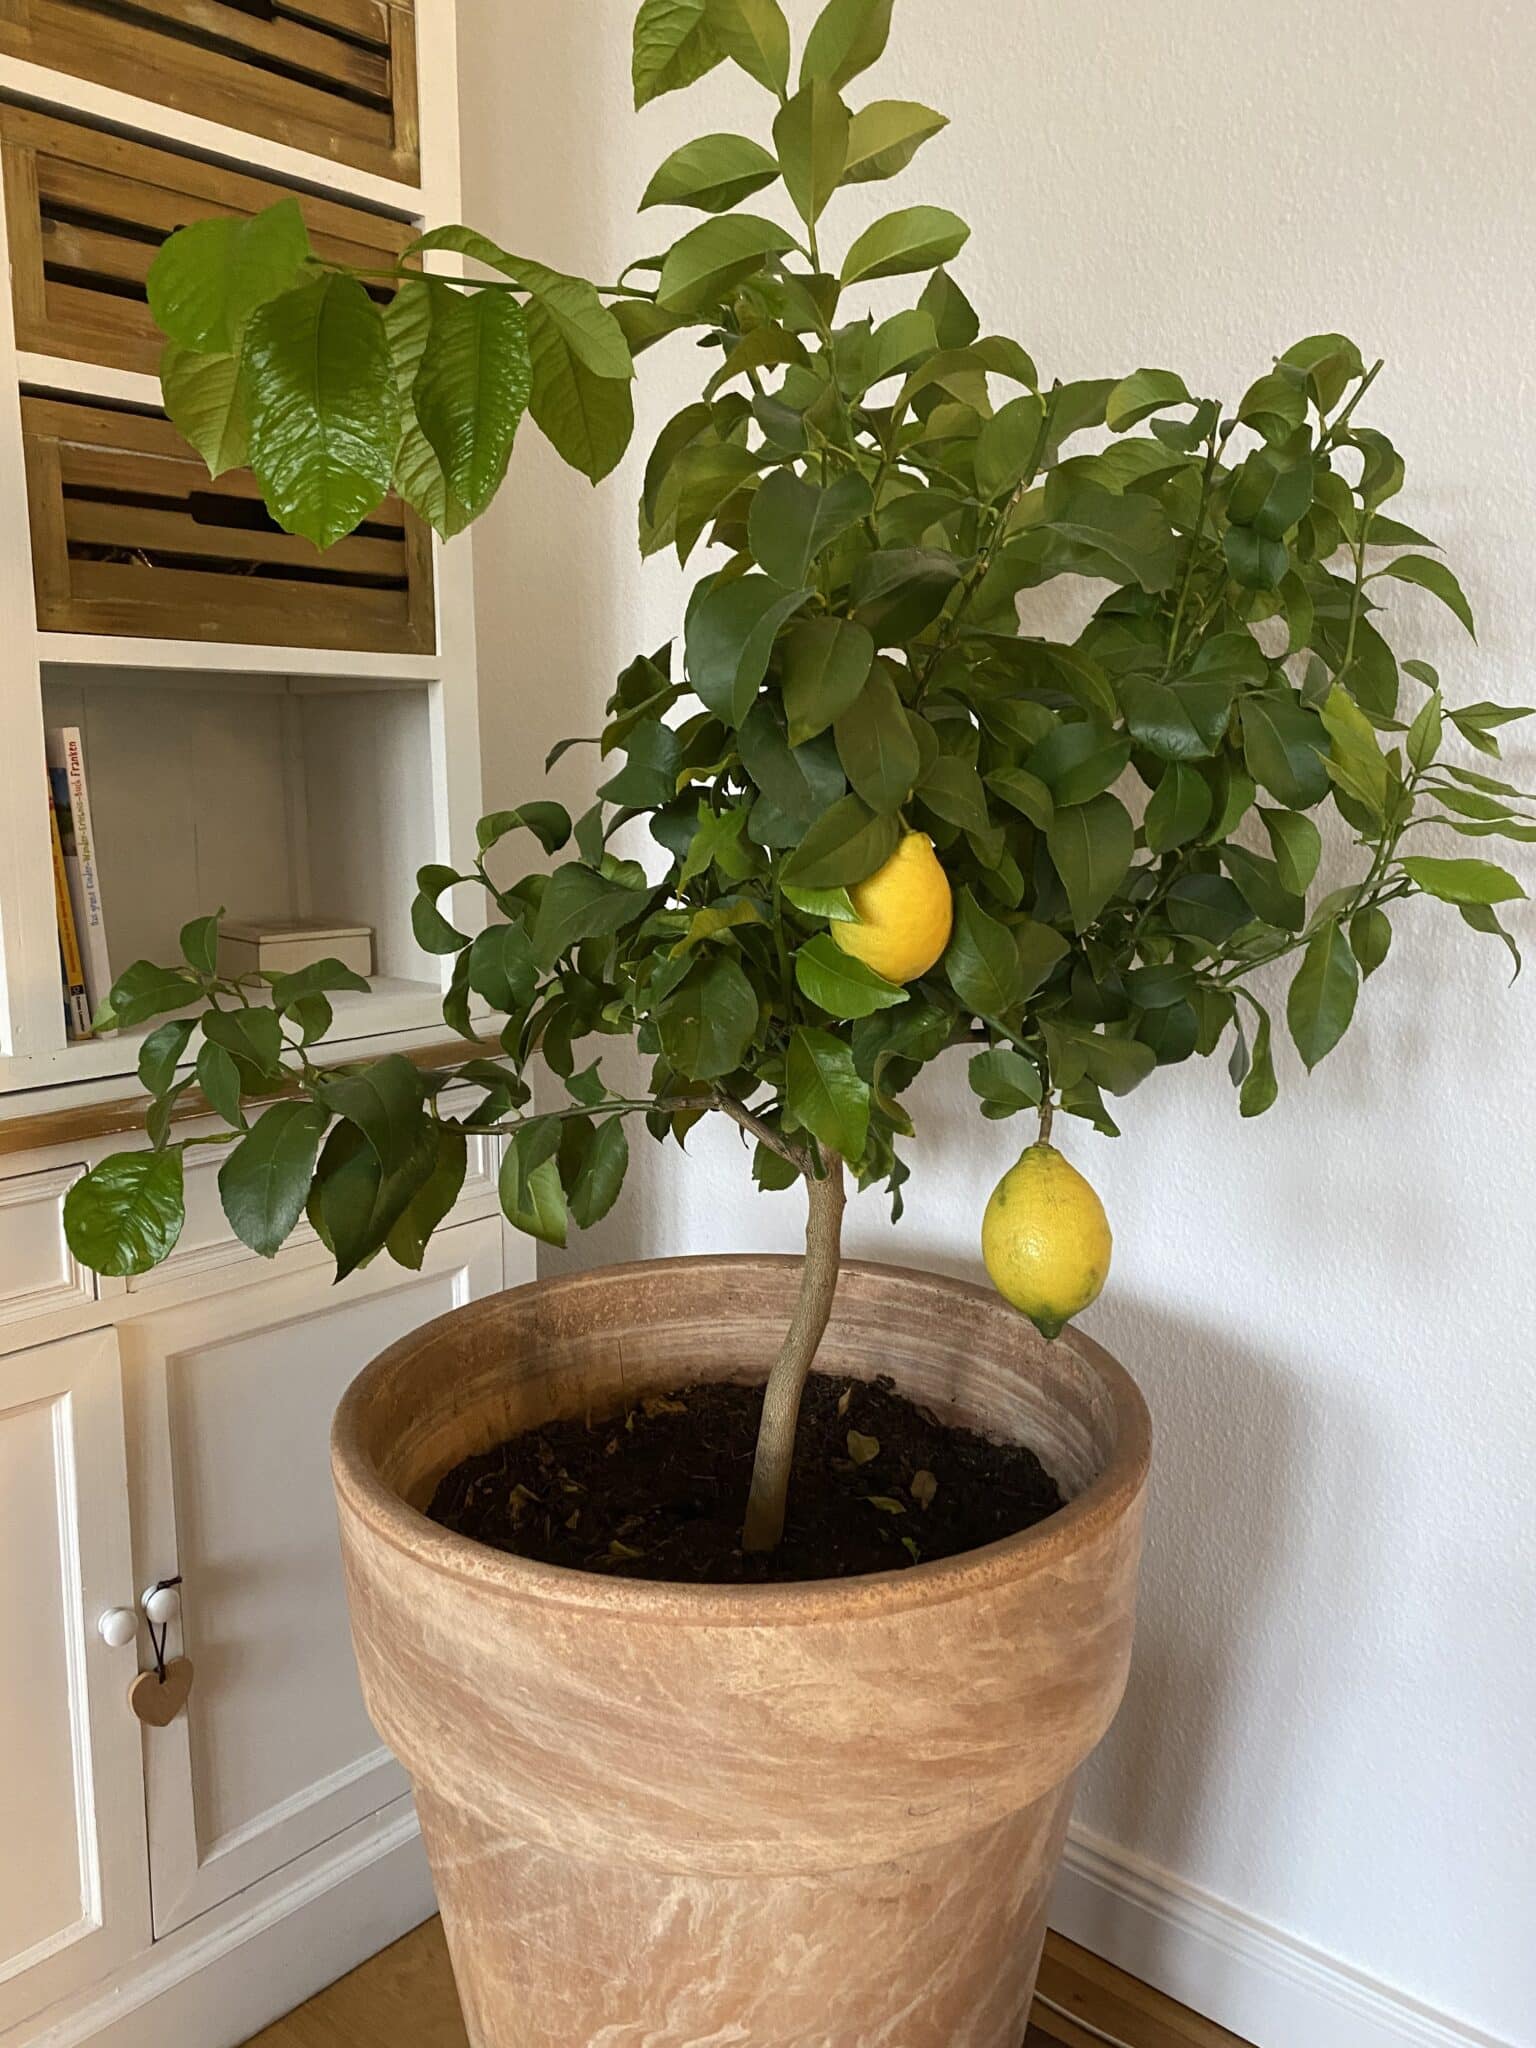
(72, 1871)
(232, 1399)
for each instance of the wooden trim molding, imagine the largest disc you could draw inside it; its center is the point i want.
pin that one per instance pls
(87, 1123)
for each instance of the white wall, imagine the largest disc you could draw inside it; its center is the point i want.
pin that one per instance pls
(1328, 1743)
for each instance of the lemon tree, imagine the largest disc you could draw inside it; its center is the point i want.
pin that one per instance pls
(864, 810)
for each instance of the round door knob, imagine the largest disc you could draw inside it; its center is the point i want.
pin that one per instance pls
(118, 1627)
(161, 1605)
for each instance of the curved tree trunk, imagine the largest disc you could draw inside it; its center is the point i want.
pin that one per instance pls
(786, 1383)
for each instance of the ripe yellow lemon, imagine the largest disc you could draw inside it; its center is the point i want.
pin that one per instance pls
(906, 912)
(1046, 1239)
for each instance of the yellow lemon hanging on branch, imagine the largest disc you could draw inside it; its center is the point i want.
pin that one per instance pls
(906, 912)
(1046, 1239)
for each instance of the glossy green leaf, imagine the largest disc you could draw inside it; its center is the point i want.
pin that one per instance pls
(208, 278)
(473, 389)
(708, 1023)
(1138, 396)
(886, 135)
(811, 136)
(840, 984)
(1323, 995)
(1297, 846)
(588, 419)
(125, 1215)
(578, 904)
(672, 47)
(1283, 745)
(600, 1178)
(319, 389)
(792, 522)
(1008, 445)
(1005, 1080)
(917, 238)
(1436, 578)
(826, 663)
(848, 36)
(1260, 1088)
(982, 961)
(876, 746)
(846, 844)
(1370, 938)
(1462, 881)
(730, 640)
(824, 1093)
(432, 1202)
(204, 401)
(218, 1076)
(700, 270)
(1179, 809)
(264, 1182)
(162, 1052)
(713, 174)
(1091, 846)
(144, 990)
(755, 35)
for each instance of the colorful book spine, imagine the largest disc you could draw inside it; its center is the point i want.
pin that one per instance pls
(77, 1009)
(66, 761)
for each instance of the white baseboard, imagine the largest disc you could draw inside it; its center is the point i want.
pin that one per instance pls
(225, 1976)
(1263, 1984)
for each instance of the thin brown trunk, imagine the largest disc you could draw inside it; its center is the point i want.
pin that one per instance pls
(786, 1383)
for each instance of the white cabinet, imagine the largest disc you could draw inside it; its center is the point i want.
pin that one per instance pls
(230, 1399)
(73, 1877)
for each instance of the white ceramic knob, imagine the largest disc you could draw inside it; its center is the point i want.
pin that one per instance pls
(160, 1605)
(118, 1627)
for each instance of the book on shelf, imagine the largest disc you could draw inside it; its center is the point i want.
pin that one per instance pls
(69, 790)
(77, 1008)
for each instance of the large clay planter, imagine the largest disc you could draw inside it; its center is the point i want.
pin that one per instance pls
(813, 1816)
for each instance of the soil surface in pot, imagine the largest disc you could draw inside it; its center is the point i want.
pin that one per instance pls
(659, 1492)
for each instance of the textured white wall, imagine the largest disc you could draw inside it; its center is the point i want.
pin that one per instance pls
(1330, 1723)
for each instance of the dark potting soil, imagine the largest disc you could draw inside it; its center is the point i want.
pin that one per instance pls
(658, 1492)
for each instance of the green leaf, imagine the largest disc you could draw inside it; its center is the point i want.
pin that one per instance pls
(835, 905)
(600, 1177)
(144, 990)
(1127, 539)
(502, 970)
(672, 47)
(587, 419)
(590, 331)
(1183, 721)
(755, 35)
(952, 790)
(1370, 938)
(1436, 578)
(1462, 881)
(203, 399)
(319, 388)
(1256, 561)
(1297, 846)
(532, 1194)
(824, 1094)
(1091, 846)
(1482, 917)
(578, 903)
(207, 279)
(917, 238)
(826, 663)
(473, 389)
(1426, 732)
(125, 1215)
(811, 136)
(1262, 890)
(1140, 395)
(885, 136)
(699, 271)
(840, 984)
(161, 1053)
(648, 779)
(264, 1182)
(384, 1103)
(1260, 1088)
(730, 638)
(219, 1078)
(550, 824)
(1005, 1081)
(876, 746)
(713, 174)
(200, 944)
(320, 977)
(1024, 792)
(708, 1023)
(1323, 995)
(1355, 756)
(849, 36)
(1076, 762)
(432, 1202)
(254, 1039)
(1007, 445)
(792, 522)
(900, 591)
(430, 929)
(845, 845)
(1283, 745)
(1179, 810)
(982, 961)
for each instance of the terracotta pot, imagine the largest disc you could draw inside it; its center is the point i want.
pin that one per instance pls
(811, 1816)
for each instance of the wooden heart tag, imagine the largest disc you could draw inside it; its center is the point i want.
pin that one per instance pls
(157, 1702)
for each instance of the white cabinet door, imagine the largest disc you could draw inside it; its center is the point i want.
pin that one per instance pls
(230, 1409)
(73, 1878)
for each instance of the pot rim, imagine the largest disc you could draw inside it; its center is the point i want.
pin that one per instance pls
(1049, 1543)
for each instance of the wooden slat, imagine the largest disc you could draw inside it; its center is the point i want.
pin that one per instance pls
(325, 57)
(174, 604)
(366, 115)
(133, 526)
(1095, 1995)
(124, 1116)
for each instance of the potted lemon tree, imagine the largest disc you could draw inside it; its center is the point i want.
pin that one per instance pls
(745, 1702)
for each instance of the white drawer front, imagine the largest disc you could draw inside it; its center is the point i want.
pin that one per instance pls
(38, 1272)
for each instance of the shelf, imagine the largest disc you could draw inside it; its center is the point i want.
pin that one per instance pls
(108, 652)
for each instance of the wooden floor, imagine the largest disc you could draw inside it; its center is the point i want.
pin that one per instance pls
(404, 1998)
